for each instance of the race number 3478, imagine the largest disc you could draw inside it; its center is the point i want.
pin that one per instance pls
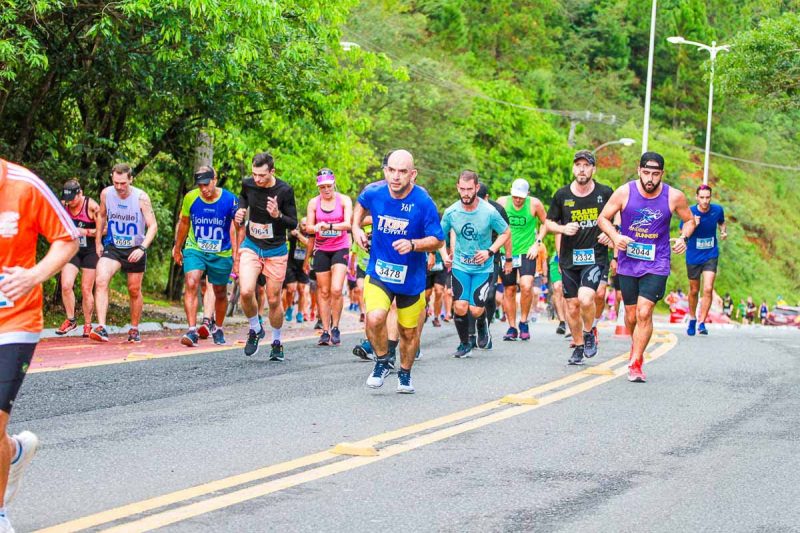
(390, 272)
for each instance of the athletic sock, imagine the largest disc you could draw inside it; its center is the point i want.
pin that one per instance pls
(276, 334)
(192, 328)
(393, 345)
(480, 323)
(595, 322)
(462, 327)
(471, 320)
(255, 325)
(17, 451)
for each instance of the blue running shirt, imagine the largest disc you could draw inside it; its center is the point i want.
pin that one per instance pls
(413, 217)
(703, 244)
(473, 233)
(210, 229)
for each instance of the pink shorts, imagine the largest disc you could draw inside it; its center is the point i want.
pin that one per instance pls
(273, 268)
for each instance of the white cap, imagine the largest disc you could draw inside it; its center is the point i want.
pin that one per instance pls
(520, 188)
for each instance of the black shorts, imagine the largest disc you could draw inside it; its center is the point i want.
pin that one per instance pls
(615, 282)
(649, 286)
(695, 271)
(604, 274)
(294, 273)
(438, 277)
(120, 255)
(324, 261)
(585, 276)
(360, 274)
(352, 284)
(14, 364)
(85, 258)
(526, 268)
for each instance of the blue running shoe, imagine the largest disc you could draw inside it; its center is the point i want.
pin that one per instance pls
(190, 338)
(363, 350)
(251, 346)
(289, 313)
(404, 385)
(276, 353)
(691, 329)
(218, 336)
(379, 373)
(299, 318)
(701, 329)
(524, 333)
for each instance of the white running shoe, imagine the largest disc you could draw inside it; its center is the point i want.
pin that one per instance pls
(404, 385)
(28, 442)
(379, 373)
(5, 525)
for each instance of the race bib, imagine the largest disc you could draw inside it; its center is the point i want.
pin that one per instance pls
(329, 233)
(516, 261)
(705, 244)
(82, 241)
(390, 272)
(583, 256)
(641, 251)
(299, 254)
(260, 231)
(123, 241)
(5, 303)
(469, 260)
(210, 245)
(437, 267)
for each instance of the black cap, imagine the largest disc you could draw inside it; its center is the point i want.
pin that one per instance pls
(652, 157)
(483, 191)
(204, 177)
(70, 190)
(584, 154)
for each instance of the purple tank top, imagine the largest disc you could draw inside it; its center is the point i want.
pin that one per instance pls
(646, 221)
(326, 240)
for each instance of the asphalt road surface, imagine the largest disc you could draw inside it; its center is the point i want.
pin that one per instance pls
(218, 441)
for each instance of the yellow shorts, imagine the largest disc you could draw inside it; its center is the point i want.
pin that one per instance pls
(409, 307)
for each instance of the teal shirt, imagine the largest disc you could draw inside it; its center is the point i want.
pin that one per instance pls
(473, 233)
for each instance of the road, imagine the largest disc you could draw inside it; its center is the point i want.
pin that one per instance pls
(224, 442)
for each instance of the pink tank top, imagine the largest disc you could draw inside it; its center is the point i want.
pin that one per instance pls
(327, 240)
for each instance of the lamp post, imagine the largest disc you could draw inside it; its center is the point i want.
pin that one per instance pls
(625, 141)
(649, 87)
(713, 50)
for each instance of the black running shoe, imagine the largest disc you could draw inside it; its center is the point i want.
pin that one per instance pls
(463, 351)
(318, 325)
(589, 344)
(561, 329)
(324, 339)
(484, 337)
(276, 354)
(336, 336)
(577, 356)
(251, 346)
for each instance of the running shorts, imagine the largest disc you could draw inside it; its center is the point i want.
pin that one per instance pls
(85, 258)
(14, 365)
(272, 267)
(295, 273)
(379, 296)
(585, 276)
(217, 268)
(650, 286)
(438, 277)
(120, 255)
(324, 261)
(527, 267)
(472, 287)
(695, 271)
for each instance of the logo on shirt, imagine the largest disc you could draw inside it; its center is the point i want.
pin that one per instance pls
(9, 223)
(406, 207)
(600, 199)
(392, 225)
(569, 203)
(646, 217)
(468, 232)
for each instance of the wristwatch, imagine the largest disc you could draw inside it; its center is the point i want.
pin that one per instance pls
(508, 259)
(491, 253)
(142, 247)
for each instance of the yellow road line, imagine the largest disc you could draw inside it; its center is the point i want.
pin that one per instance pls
(218, 502)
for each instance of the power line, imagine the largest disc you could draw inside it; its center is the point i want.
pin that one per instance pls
(729, 157)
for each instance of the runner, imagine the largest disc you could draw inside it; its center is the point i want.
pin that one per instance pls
(702, 254)
(328, 218)
(501, 264)
(405, 225)
(296, 281)
(270, 207)
(584, 252)
(557, 289)
(125, 211)
(473, 220)
(727, 305)
(27, 209)
(750, 311)
(643, 245)
(83, 211)
(207, 219)
(434, 286)
(527, 220)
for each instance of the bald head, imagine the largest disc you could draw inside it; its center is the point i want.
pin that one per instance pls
(401, 159)
(400, 173)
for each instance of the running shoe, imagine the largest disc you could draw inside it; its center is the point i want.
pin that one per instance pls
(363, 350)
(391, 362)
(463, 351)
(99, 334)
(288, 315)
(524, 334)
(318, 325)
(503, 318)
(692, 327)
(336, 336)
(511, 334)
(190, 338)
(419, 355)
(251, 346)
(67, 326)
(437, 323)
(133, 335)
(87, 329)
(404, 385)
(701, 329)
(447, 318)
(324, 339)
(299, 318)
(589, 344)
(379, 373)
(562, 328)
(635, 373)
(218, 336)
(577, 356)
(362, 318)
(484, 336)
(204, 331)
(276, 353)
(27, 443)
(5, 525)
(473, 342)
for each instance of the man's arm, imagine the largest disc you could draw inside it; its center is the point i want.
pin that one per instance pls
(289, 209)
(94, 207)
(682, 210)
(181, 232)
(149, 219)
(100, 221)
(358, 233)
(612, 207)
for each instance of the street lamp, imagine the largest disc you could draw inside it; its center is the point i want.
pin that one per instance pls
(625, 141)
(713, 50)
(649, 86)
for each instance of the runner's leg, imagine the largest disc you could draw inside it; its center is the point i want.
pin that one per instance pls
(324, 299)
(694, 293)
(708, 293)
(192, 281)
(87, 293)
(525, 297)
(68, 275)
(338, 274)
(106, 268)
(644, 327)
(135, 295)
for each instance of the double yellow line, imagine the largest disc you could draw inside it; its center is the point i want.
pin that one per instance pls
(348, 456)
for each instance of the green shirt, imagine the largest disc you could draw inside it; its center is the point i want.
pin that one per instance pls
(362, 255)
(523, 226)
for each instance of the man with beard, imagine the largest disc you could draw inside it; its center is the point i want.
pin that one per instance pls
(643, 243)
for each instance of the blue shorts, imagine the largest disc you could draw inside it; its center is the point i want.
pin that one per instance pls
(471, 287)
(217, 268)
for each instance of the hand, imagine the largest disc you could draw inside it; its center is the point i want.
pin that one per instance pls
(135, 255)
(239, 217)
(307, 267)
(508, 267)
(98, 247)
(612, 267)
(696, 220)
(605, 240)
(83, 232)
(447, 259)
(320, 227)
(481, 256)
(361, 238)
(431, 261)
(678, 246)
(272, 207)
(723, 235)
(177, 255)
(621, 242)
(17, 282)
(402, 246)
(571, 228)
(293, 233)
(533, 252)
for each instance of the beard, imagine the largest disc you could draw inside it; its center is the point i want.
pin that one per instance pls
(583, 180)
(650, 186)
(469, 200)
